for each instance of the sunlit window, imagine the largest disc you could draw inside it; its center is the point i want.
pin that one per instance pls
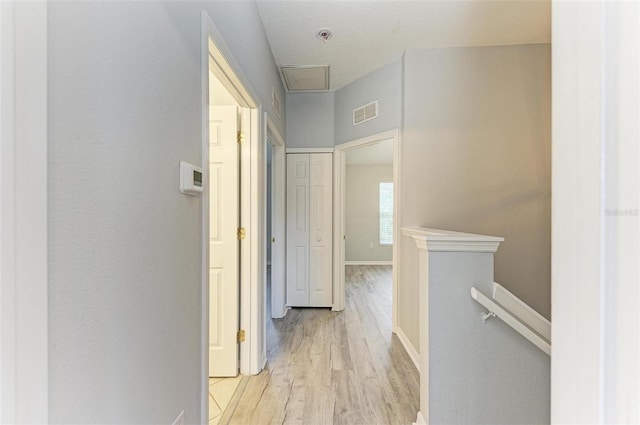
(386, 213)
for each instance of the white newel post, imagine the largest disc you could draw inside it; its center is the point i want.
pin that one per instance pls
(444, 258)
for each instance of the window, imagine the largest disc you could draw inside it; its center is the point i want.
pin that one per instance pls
(386, 213)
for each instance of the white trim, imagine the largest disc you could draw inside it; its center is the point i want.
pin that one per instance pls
(339, 233)
(227, 71)
(278, 207)
(576, 385)
(275, 102)
(522, 311)
(595, 212)
(576, 381)
(245, 248)
(450, 241)
(8, 308)
(420, 420)
(395, 250)
(368, 263)
(310, 150)
(23, 213)
(255, 154)
(215, 51)
(204, 273)
(180, 419)
(409, 348)
(339, 164)
(263, 359)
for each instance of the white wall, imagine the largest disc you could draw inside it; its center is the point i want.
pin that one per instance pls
(476, 158)
(125, 245)
(596, 213)
(23, 213)
(310, 120)
(383, 85)
(362, 217)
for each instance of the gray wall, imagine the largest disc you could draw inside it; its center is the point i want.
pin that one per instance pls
(383, 85)
(310, 120)
(362, 219)
(124, 244)
(321, 120)
(479, 373)
(476, 158)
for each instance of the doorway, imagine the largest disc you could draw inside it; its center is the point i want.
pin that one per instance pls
(225, 168)
(230, 221)
(369, 205)
(275, 208)
(341, 154)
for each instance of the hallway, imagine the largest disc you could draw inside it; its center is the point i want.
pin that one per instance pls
(329, 367)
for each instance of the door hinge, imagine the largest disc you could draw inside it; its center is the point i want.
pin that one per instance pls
(240, 137)
(241, 233)
(240, 336)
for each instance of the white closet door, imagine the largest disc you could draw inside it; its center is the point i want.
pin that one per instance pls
(321, 230)
(298, 230)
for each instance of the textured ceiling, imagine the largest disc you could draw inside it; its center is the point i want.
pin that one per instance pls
(369, 34)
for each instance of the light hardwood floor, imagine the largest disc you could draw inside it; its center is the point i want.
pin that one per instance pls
(329, 367)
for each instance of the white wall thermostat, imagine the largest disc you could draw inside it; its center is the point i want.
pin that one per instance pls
(190, 179)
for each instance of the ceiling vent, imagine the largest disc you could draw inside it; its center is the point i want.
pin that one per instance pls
(365, 113)
(305, 78)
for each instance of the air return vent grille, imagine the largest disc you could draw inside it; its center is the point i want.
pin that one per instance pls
(365, 113)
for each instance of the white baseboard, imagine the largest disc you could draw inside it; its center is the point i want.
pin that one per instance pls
(420, 420)
(410, 349)
(263, 360)
(368, 263)
(284, 313)
(310, 150)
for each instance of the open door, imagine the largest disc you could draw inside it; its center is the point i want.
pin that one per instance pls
(224, 274)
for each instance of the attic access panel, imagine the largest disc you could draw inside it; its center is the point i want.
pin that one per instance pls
(305, 78)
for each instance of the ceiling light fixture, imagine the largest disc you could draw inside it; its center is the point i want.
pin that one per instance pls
(324, 34)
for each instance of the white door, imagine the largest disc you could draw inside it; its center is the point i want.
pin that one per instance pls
(321, 229)
(298, 229)
(309, 230)
(223, 241)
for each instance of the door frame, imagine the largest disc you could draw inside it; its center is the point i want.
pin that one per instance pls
(215, 53)
(278, 214)
(24, 354)
(339, 173)
(595, 232)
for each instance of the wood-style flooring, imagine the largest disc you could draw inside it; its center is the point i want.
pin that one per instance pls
(329, 367)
